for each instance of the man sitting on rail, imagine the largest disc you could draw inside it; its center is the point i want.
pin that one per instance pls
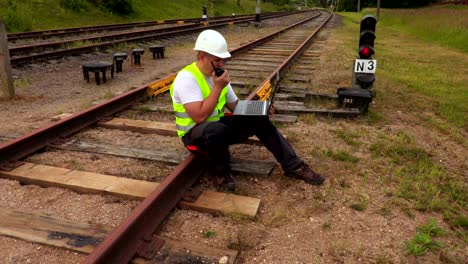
(199, 99)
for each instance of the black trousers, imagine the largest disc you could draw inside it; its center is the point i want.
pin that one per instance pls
(214, 138)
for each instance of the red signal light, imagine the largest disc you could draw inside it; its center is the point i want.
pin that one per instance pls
(365, 52)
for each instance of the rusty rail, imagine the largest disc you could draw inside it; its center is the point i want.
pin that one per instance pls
(267, 85)
(120, 26)
(114, 39)
(134, 237)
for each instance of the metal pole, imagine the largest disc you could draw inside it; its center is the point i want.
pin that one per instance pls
(378, 10)
(6, 81)
(358, 6)
(257, 12)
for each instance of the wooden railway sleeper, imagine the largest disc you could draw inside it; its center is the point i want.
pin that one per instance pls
(150, 246)
(10, 165)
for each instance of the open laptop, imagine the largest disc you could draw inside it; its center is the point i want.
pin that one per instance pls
(251, 108)
(254, 107)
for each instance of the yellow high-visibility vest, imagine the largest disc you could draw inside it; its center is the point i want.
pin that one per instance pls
(183, 121)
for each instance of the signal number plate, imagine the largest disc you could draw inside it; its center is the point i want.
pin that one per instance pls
(365, 66)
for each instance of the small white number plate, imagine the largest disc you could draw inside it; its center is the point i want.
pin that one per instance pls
(365, 66)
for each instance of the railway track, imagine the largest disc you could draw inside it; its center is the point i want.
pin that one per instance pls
(20, 54)
(270, 58)
(44, 34)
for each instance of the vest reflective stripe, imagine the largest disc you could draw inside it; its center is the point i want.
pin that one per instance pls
(185, 129)
(185, 115)
(183, 121)
(181, 115)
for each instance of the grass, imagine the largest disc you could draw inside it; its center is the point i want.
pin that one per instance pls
(349, 137)
(240, 242)
(443, 25)
(437, 81)
(429, 185)
(209, 233)
(341, 155)
(22, 83)
(423, 241)
(326, 226)
(359, 206)
(144, 108)
(31, 15)
(422, 76)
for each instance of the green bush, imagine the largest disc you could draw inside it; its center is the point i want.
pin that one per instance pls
(120, 7)
(75, 5)
(18, 17)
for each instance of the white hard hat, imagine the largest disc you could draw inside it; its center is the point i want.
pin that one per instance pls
(212, 42)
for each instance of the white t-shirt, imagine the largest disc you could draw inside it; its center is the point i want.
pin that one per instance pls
(186, 89)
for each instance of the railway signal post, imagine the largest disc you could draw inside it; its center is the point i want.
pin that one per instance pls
(365, 65)
(7, 88)
(205, 13)
(361, 93)
(257, 12)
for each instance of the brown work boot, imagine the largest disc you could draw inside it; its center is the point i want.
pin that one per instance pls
(226, 183)
(306, 174)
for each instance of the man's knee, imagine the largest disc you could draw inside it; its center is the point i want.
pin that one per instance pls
(215, 133)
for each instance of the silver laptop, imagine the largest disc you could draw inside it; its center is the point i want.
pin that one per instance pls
(252, 108)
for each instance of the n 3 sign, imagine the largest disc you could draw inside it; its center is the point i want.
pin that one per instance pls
(365, 66)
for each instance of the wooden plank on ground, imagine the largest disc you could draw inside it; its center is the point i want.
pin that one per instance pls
(312, 54)
(246, 75)
(249, 68)
(83, 237)
(243, 84)
(284, 119)
(160, 128)
(338, 112)
(209, 202)
(87, 182)
(80, 237)
(272, 51)
(297, 79)
(257, 64)
(289, 96)
(172, 251)
(257, 167)
(309, 93)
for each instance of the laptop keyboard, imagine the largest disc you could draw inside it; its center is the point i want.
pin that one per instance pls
(255, 107)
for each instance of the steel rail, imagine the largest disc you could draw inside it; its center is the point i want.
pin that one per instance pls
(124, 35)
(26, 48)
(15, 60)
(92, 29)
(89, 29)
(23, 146)
(135, 234)
(125, 242)
(268, 84)
(265, 88)
(260, 41)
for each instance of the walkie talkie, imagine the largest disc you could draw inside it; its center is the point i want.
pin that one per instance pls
(218, 71)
